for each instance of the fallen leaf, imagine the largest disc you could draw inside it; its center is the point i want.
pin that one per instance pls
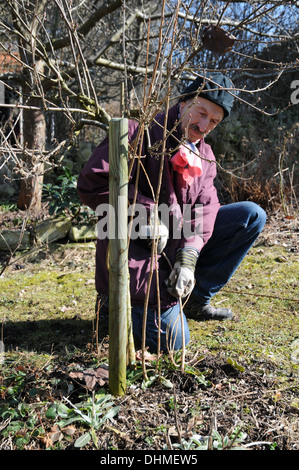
(92, 377)
(69, 430)
(173, 432)
(46, 440)
(55, 435)
(147, 356)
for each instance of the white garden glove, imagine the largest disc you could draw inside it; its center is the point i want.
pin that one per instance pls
(181, 280)
(157, 231)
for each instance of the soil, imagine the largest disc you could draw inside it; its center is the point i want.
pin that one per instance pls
(153, 419)
(158, 418)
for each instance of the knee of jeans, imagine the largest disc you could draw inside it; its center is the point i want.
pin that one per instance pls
(170, 330)
(175, 341)
(259, 215)
(256, 215)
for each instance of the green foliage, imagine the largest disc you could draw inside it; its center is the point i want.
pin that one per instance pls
(159, 372)
(63, 197)
(7, 207)
(215, 442)
(19, 420)
(23, 423)
(93, 413)
(235, 364)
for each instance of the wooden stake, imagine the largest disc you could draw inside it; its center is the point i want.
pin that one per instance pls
(118, 253)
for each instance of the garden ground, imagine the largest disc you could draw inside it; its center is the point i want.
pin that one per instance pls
(239, 387)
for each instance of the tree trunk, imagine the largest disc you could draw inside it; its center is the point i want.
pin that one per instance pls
(30, 194)
(34, 123)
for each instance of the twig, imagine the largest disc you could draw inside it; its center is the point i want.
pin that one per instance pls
(260, 295)
(153, 248)
(177, 422)
(97, 325)
(257, 443)
(183, 336)
(213, 426)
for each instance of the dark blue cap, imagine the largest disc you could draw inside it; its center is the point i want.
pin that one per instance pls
(212, 86)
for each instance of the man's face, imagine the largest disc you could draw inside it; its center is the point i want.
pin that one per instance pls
(199, 116)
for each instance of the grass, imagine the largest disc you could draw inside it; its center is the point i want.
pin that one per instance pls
(47, 315)
(264, 296)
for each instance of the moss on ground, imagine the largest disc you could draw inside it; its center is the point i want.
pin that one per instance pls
(48, 301)
(54, 294)
(264, 297)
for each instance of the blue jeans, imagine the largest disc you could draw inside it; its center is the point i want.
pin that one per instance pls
(237, 226)
(170, 328)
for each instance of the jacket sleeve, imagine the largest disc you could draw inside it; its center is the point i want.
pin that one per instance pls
(203, 212)
(93, 181)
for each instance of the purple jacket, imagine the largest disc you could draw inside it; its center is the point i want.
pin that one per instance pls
(201, 198)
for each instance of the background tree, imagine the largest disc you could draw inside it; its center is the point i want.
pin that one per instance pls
(73, 56)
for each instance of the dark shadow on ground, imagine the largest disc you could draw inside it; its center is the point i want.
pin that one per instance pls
(51, 336)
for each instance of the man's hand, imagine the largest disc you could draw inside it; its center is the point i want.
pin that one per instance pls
(155, 230)
(181, 280)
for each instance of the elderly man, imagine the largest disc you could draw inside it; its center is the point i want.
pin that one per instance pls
(193, 264)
